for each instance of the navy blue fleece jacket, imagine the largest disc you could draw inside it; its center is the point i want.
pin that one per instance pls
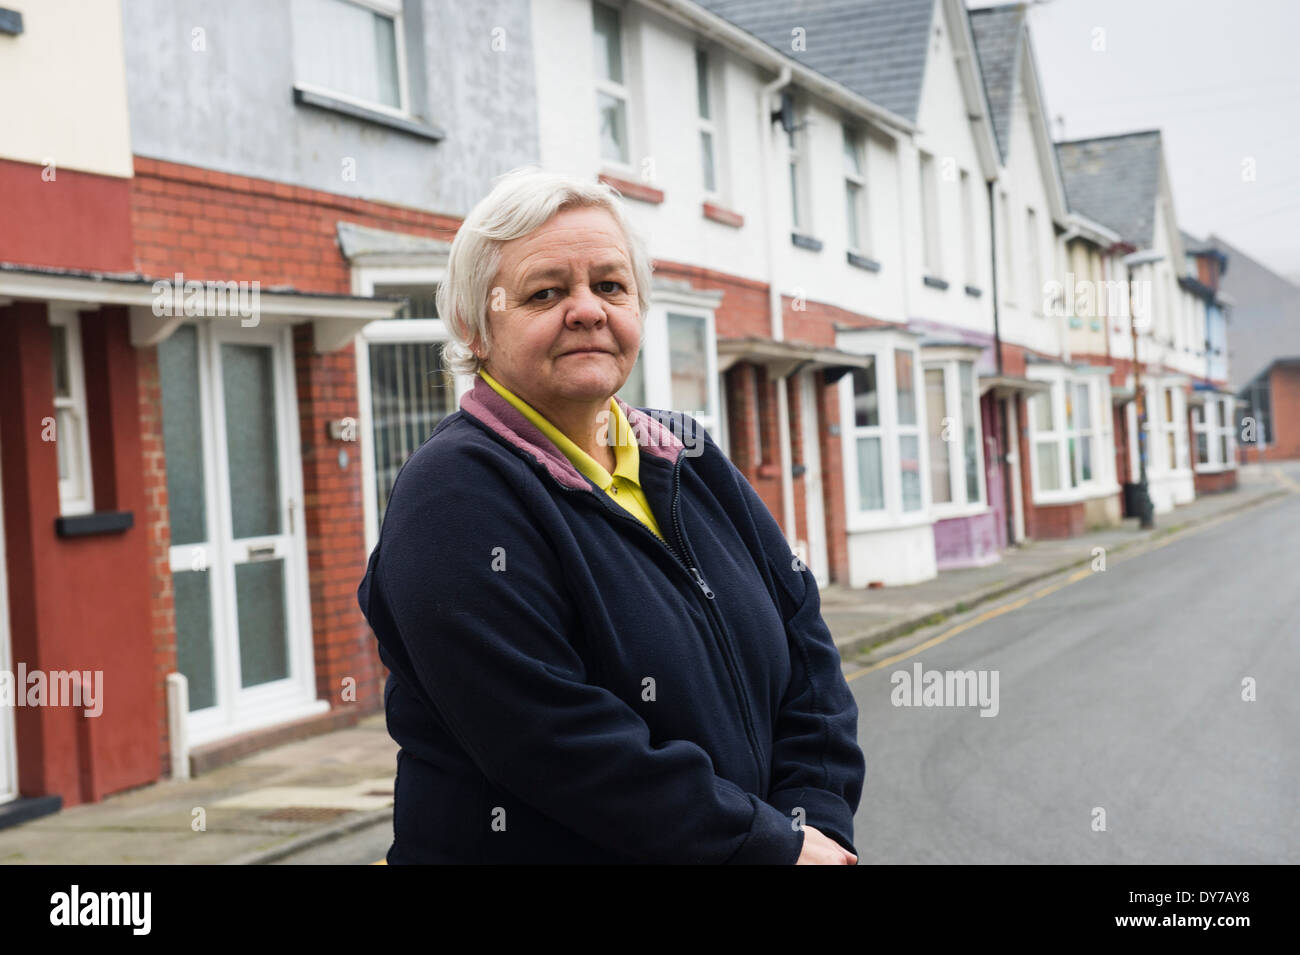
(566, 687)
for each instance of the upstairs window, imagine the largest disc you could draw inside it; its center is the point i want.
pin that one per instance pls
(855, 192)
(708, 132)
(931, 247)
(611, 84)
(352, 50)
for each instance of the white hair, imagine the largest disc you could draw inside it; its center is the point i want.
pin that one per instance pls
(522, 200)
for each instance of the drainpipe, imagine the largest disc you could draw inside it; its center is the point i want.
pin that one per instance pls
(1008, 501)
(775, 313)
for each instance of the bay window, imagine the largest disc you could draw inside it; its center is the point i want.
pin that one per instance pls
(886, 458)
(1068, 435)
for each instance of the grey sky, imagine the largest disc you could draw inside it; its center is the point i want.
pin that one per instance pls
(1222, 82)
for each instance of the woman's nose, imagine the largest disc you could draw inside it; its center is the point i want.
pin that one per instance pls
(588, 308)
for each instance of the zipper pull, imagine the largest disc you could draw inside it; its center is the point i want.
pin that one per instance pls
(703, 586)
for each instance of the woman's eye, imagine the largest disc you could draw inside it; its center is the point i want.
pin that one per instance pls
(535, 295)
(617, 285)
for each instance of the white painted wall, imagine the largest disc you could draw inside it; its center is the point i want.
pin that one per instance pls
(64, 83)
(665, 146)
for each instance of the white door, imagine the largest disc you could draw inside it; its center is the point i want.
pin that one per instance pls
(8, 743)
(238, 557)
(818, 561)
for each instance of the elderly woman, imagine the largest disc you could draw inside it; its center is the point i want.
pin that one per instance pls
(601, 648)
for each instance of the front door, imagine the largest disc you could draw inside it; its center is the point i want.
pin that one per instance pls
(238, 561)
(8, 745)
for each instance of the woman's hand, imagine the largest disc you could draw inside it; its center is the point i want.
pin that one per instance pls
(821, 849)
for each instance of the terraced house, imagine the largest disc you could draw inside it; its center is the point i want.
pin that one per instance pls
(219, 342)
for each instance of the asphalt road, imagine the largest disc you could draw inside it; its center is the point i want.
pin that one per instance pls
(1120, 692)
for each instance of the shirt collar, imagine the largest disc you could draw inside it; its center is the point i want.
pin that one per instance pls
(627, 454)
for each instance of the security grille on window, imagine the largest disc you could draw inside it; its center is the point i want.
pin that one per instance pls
(351, 49)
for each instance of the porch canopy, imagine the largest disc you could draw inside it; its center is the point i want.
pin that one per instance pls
(784, 358)
(158, 305)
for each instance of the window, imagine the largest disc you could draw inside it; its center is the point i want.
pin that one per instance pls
(1082, 435)
(708, 131)
(1034, 260)
(1008, 257)
(938, 424)
(677, 366)
(1046, 441)
(855, 192)
(868, 438)
(951, 415)
(409, 389)
(968, 229)
(800, 214)
(351, 49)
(930, 217)
(611, 89)
(1167, 424)
(885, 457)
(71, 433)
(909, 435)
(1212, 424)
(1066, 432)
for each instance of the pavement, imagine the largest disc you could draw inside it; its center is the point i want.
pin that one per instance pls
(283, 804)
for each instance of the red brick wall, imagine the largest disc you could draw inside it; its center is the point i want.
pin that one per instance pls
(1284, 442)
(836, 501)
(1214, 482)
(212, 225)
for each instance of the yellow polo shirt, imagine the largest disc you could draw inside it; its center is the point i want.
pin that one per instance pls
(624, 485)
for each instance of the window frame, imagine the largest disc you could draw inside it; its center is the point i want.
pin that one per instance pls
(882, 347)
(855, 144)
(393, 10)
(798, 162)
(656, 352)
(1217, 427)
(950, 362)
(77, 491)
(931, 237)
(1064, 428)
(708, 125)
(620, 90)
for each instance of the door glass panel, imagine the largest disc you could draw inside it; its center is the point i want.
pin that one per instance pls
(263, 648)
(192, 596)
(178, 375)
(248, 380)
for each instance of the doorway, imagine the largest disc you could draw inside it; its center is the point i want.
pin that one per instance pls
(238, 554)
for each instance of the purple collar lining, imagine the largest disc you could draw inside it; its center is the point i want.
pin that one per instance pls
(482, 402)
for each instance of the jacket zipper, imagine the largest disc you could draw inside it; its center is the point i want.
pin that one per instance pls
(687, 563)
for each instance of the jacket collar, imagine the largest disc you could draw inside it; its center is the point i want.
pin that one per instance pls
(483, 403)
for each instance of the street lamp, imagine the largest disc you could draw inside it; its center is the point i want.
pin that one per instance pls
(1146, 511)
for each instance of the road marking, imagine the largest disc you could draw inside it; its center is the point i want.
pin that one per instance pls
(1036, 595)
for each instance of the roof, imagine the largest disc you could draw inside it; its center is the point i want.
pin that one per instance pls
(998, 32)
(876, 48)
(1265, 314)
(1115, 180)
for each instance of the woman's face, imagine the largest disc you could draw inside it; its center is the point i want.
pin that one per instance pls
(562, 312)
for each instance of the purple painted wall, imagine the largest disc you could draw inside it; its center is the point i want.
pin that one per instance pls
(966, 541)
